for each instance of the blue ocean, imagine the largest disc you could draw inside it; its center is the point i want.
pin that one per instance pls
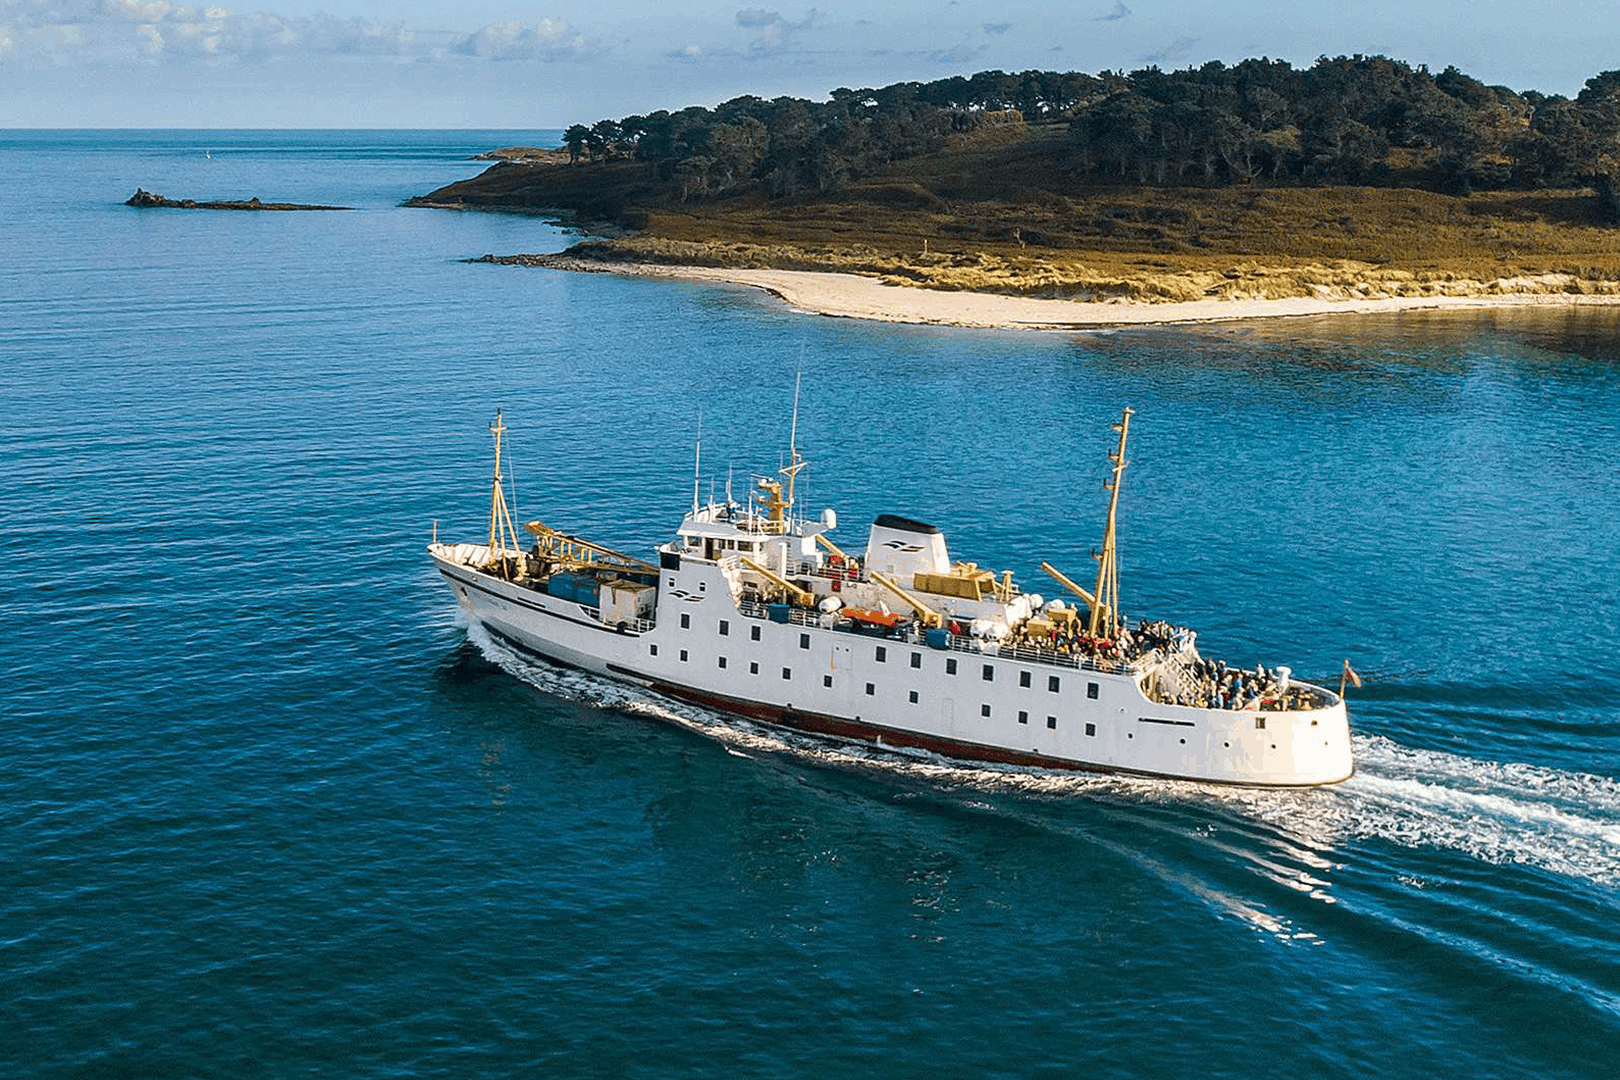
(268, 809)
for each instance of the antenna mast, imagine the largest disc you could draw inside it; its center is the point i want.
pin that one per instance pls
(697, 463)
(1105, 611)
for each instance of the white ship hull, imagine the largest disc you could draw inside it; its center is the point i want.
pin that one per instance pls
(1001, 705)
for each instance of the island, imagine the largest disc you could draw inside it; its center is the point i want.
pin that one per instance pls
(144, 198)
(1062, 199)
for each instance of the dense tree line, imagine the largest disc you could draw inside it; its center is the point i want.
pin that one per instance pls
(1355, 120)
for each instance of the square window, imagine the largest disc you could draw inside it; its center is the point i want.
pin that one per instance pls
(753, 669)
(683, 656)
(1051, 722)
(826, 680)
(804, 641)
(870, 690)
(1091, 690)
(914, 697)
(721, 661)
(882, 654)
(1053, 683)
(652, 650)
(787, 673)
(1259, 723)
(916, 659)
(984, 710)
(1023, 717)
(1023, 678)
(725, 628)
(703, 586)
(989, 673)
(753, 632)
(1091, 729)
(950, 666)
(686, 621)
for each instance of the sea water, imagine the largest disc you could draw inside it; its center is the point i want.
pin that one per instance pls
(268, 807)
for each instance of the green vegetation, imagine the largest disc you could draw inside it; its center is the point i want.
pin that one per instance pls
(1257, 179)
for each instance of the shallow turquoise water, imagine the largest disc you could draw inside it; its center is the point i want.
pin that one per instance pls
(266, 810)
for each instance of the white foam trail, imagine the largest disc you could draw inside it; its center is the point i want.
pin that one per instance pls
(1497, 812)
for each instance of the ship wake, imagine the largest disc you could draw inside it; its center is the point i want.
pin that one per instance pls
(1504, 813)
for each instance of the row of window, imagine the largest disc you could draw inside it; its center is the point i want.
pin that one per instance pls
(881, 654)
(871, 691)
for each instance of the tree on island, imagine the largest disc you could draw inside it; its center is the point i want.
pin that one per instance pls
(575, 139)
(1344, 120)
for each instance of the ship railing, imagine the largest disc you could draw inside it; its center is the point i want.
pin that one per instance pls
(637, 626)
(961, 643)
(831, 573)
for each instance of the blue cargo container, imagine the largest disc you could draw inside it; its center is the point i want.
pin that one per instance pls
(937, 638)
(577, 588)
(779, 612)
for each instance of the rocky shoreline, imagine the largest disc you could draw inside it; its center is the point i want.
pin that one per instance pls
(149, 199)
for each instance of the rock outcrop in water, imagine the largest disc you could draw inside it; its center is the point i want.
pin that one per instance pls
(144, 198)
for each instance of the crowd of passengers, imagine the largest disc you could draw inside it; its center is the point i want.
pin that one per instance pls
(1218, 686)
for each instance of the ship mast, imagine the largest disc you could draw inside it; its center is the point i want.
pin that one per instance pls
(795, 462)
(1105, 611)
(500, 517)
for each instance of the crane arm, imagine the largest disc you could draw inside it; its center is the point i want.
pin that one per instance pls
(821, 538)
(543, 532)
(1091, 601)
(925, 614)
(802, 596)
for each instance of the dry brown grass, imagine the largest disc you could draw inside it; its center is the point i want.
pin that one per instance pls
(1005, 212)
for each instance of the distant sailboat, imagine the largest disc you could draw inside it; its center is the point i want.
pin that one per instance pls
(208, 155)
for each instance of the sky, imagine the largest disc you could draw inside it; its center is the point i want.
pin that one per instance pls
(431, 63)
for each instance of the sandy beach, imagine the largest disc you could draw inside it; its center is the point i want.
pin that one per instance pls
(851, 296)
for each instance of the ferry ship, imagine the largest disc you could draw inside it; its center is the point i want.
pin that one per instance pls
(752, 609)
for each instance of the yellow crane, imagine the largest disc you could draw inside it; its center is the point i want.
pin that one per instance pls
(803, 597)
(1062, 579)
(576, 552)
(925, 614)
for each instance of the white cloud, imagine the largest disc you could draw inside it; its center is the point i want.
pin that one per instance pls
(772, 32)
(63, 31)
(548, 39)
